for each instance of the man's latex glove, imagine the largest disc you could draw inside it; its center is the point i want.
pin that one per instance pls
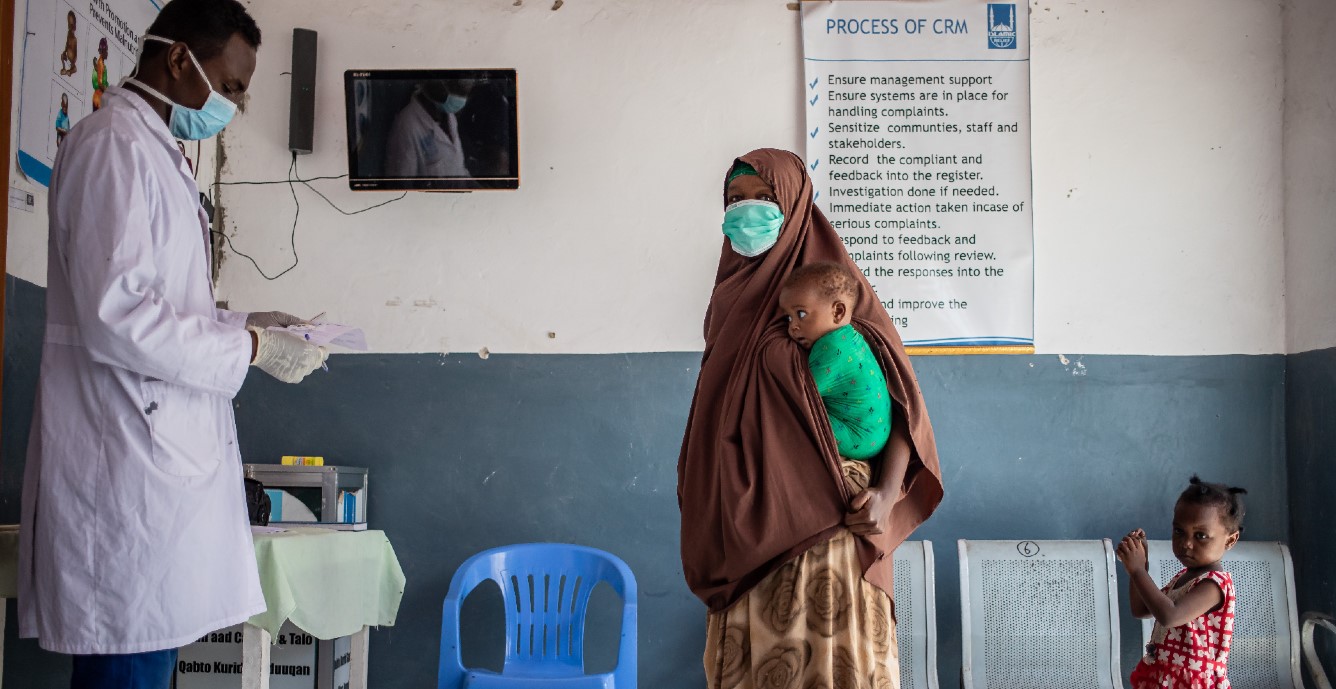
(271, 319)
(285, 357)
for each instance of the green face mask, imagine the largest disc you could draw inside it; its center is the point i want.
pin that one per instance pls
(753, 226)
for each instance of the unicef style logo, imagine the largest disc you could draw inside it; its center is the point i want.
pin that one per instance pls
(1002, 25)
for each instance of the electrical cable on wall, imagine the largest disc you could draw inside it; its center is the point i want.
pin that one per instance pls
(294, 178)
(306, 184)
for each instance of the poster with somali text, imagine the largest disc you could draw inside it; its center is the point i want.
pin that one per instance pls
(214, 661)
(75, 50)
(918, 142)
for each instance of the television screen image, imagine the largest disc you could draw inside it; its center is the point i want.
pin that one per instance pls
(432, 130)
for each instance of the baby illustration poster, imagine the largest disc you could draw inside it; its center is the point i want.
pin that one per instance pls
(69, 56)
(64, 111)
(73, 54)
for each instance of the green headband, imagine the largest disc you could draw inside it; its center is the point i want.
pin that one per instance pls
(741, 169)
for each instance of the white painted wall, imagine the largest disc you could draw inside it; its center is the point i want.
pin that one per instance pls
(1158, 182)
(1310, 174)
(631, 111)
(1157, 166)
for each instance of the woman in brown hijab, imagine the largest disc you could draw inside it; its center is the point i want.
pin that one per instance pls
(788, 544)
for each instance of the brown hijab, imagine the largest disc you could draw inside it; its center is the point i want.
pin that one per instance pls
(759, 479)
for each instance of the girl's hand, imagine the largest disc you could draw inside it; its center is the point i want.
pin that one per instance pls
(1139, 535)
(870, 509)
(1132, 552)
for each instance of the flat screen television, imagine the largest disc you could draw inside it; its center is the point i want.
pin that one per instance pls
(432, 129)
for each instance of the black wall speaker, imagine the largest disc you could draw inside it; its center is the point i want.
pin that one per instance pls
(301, 118)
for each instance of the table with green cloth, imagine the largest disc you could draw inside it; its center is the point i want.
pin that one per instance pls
(330, 584)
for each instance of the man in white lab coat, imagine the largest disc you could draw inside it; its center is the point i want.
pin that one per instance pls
(424, 140)
(134, 536)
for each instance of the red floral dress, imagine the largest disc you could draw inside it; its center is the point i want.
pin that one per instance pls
(1193, 655)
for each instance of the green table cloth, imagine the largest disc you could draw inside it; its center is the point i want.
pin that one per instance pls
(329, 583)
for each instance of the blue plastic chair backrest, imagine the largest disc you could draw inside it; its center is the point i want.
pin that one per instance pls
(546, 589)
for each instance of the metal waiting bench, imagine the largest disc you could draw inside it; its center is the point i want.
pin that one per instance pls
(1311, 621)
(1039, 615)
(1264, 653)
(916, 615)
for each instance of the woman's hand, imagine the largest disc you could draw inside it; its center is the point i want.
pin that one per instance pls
(1132, 552)
(870, 509)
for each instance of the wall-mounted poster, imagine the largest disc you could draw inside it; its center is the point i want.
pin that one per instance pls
(75, 50)
(918, 139)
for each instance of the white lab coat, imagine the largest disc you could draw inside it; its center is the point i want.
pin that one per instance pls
(134, 532)
(420, 147)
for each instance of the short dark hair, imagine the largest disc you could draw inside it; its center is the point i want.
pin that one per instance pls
(1228, 499)
(204, 25)
(830, 279)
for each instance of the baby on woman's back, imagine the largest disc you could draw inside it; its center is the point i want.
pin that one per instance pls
(818, 300)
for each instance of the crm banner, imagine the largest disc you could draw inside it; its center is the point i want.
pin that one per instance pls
(918, 141)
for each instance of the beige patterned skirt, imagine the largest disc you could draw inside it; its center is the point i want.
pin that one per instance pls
(812, 624)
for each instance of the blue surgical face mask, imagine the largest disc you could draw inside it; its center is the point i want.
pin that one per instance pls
(753, 226)
(188, 123)
(453, 104)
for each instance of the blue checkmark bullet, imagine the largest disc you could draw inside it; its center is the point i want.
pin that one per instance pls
(813, 101)
(813, 84)
(815, 163)
(814, 132)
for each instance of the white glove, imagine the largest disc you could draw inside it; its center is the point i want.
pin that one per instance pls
(285, 357)
(271, 319)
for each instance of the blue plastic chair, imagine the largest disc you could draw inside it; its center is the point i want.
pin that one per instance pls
(546, 588)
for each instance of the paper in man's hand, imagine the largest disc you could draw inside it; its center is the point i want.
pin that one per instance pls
(329, 334)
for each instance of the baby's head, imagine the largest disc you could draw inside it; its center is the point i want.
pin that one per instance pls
(69, 20)
(1208, 519)
(816, 299)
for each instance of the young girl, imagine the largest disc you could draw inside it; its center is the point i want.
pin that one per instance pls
(817, 300)
(1194, 613)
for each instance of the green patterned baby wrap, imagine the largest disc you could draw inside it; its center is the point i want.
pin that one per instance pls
(853, 388)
